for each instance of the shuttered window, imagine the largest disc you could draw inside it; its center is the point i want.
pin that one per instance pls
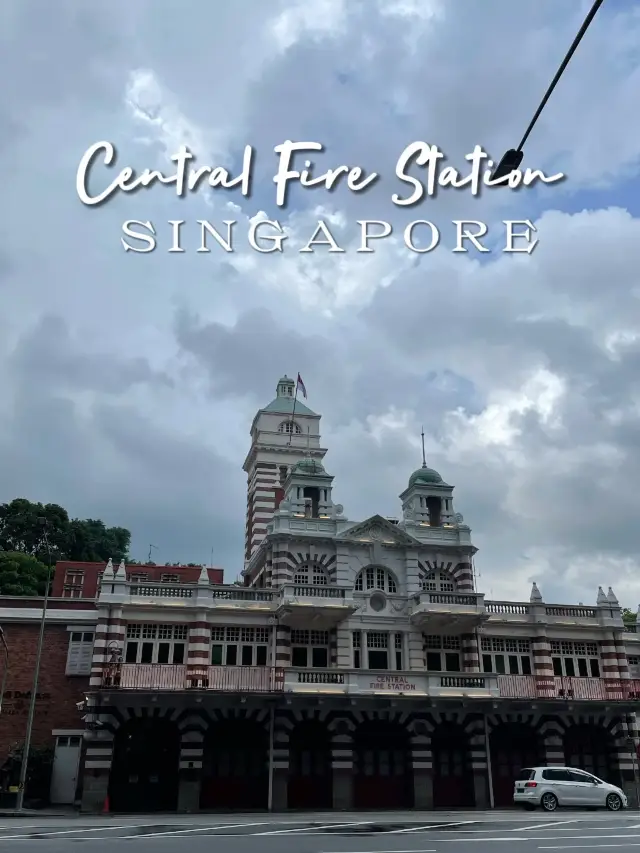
(80, 653)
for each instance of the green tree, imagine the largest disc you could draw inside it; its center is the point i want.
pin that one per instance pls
(22, 528)
(21, 574)
(628, 616)
(88, 540)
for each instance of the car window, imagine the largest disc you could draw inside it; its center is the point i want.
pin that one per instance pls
(556, 775)
(577, 776)
(525, 774)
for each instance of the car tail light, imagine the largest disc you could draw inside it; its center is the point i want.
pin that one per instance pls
(531, 785)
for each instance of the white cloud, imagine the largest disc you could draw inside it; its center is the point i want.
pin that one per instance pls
(136, 407)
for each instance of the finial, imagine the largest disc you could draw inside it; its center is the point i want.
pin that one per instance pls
(602, 598)
(611, 597)
(424, 458)
(536, 595)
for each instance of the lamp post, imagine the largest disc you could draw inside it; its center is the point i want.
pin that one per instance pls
(5, 671)
(36, 675)
(513, 157)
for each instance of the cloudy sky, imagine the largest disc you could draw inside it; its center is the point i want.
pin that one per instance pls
(129, 381)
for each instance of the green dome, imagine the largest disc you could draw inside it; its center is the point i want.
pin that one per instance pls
(424, 475)
(309, 466)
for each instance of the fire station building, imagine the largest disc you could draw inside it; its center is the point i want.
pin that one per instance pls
(356, 666)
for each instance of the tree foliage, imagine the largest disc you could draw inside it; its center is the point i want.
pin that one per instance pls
(45, 532)
(21, 574)
(628, 616)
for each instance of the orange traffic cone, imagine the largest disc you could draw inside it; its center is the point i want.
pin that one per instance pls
(105, 807)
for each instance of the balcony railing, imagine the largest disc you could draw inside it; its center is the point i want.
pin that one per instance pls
(264, 679)
(157, 677)
(561, 687)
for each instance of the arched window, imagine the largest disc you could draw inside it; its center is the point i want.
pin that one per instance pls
(290, 427)
(376, 578)
(437, 581)
(311, 574)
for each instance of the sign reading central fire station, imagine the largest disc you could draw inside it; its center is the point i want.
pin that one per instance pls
(397, 683)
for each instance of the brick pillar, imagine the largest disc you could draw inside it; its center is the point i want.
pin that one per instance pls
(110, 635)
(470, 653)
(283, 645)
(552, 745)
(543, 666)
(191, 754)
(464, 577)
(422, 766)
(198, 651)
(96, 771)
(342, 763)
(479, 763)
(280, 763)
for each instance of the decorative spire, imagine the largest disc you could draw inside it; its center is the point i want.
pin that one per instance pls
(121, 574)
(424, 457)
(602, 598)
(536, 595)
(611, 598)
(108, 568)
(203, 580)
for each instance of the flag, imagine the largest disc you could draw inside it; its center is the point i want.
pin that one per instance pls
(300, 387)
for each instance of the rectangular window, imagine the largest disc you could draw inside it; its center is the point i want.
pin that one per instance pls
(357, 649)
(73, 584)
(506, 656)
(442, 653)
(80, 653)
(139, 577)
(575, 659)
(151, 643)
(169, 578)
(240, 646)
(310, 649)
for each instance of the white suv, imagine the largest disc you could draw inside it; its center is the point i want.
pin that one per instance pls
(551, 787)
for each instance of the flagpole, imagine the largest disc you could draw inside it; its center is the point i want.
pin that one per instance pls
(295, 400)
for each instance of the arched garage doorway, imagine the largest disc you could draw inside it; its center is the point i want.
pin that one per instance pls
(144, 771)
(310, 776)
(383, 772)
(592, 748)
(452, 773)
(513, 746)
(235, 771)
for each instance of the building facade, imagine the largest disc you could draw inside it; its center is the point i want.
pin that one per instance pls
(357, 667)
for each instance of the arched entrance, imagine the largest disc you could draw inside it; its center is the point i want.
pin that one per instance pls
(310, 776)
(235, 770)
(383, 773)
(452, 773)
(513, 746)
(144, 771)
(592, 748)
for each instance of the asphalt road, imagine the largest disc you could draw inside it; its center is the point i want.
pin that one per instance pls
(431, 832)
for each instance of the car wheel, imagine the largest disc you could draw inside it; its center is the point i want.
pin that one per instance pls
(614, 803)
(549, 802)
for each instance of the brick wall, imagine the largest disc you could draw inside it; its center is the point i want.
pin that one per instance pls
(56, 708)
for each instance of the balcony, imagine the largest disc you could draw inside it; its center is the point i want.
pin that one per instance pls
(577, 689)
(306, 606)
(156, 677)
(227, 597)
(448, 612)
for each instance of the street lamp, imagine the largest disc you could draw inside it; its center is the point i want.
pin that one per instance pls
(512, 159)
(36, 675)
(5, 671)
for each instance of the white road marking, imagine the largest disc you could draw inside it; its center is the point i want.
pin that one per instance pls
(589, 846)
(312, 828)
(431, 826)
(544, 825)
(197, 829)
(84, 829)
